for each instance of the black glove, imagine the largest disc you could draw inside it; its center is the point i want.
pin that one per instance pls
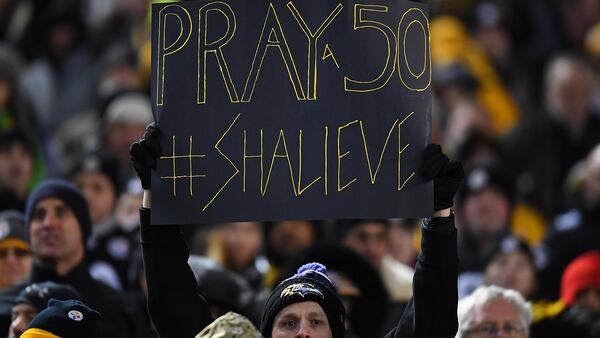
(144, 154)
(447, 176)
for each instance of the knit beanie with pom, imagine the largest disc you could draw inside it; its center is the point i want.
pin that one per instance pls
(310, 283)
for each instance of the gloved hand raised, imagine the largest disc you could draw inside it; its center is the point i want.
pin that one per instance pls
(144, 154)
(447, 175)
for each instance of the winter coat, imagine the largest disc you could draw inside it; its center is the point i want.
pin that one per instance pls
(179, 311)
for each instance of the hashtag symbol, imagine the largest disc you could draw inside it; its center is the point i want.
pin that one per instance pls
(190, 175)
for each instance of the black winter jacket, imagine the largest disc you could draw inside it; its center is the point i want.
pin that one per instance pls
(179, 311)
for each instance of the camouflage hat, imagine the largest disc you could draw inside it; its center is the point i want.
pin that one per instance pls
(230, 325)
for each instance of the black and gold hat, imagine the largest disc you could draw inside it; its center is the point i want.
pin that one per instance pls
(38, 294)
(12, 230)
(65, 319)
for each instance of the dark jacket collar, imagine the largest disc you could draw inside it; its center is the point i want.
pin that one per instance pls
(78, 275)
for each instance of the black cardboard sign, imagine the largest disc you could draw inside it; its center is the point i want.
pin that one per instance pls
(280, 110)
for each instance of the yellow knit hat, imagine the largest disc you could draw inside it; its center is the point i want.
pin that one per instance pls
(38, 333)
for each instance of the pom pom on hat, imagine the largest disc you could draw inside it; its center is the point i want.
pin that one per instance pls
(310, 283)
(314, 268)
(311, 267)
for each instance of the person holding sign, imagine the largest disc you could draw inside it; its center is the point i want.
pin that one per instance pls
(306, 304)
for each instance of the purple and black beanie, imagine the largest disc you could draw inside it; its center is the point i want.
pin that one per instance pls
(310, 283)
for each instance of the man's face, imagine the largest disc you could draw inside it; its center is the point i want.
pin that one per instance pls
(302, 320)
(16, 168)
(512, 271)
(487, 212)
(22, 314)
(498, 319)
(291, 237)
(369, 240)
(401, 244)
(54, 232)
(15, 263)
(241, 243)
(99, 193)
(569, 94)
(119, 136)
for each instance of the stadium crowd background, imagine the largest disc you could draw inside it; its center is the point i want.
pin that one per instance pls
(516, 100)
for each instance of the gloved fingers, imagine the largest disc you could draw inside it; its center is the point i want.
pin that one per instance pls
(455, 171)
(432, 150)
(135, 152)
(149, 158)
(143, 161)
(140, 154)
(150, 141)
(151, 147)
(152, 129)
(433, 164)
(152, 132)
(433, 167)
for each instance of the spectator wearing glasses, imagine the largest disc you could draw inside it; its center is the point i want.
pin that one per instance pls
(15, 257)
(492, 312)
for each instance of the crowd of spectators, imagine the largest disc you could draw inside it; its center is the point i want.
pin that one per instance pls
(516, 87)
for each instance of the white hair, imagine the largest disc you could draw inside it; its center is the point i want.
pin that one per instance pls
(484, 295)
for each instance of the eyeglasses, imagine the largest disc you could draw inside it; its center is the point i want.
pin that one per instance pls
(492, 330)
(18, 252)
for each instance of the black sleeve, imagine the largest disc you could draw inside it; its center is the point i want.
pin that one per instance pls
(431, 313)
(175, 306)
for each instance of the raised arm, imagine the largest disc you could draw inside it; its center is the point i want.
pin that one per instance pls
(176, 307)
(431, 312)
